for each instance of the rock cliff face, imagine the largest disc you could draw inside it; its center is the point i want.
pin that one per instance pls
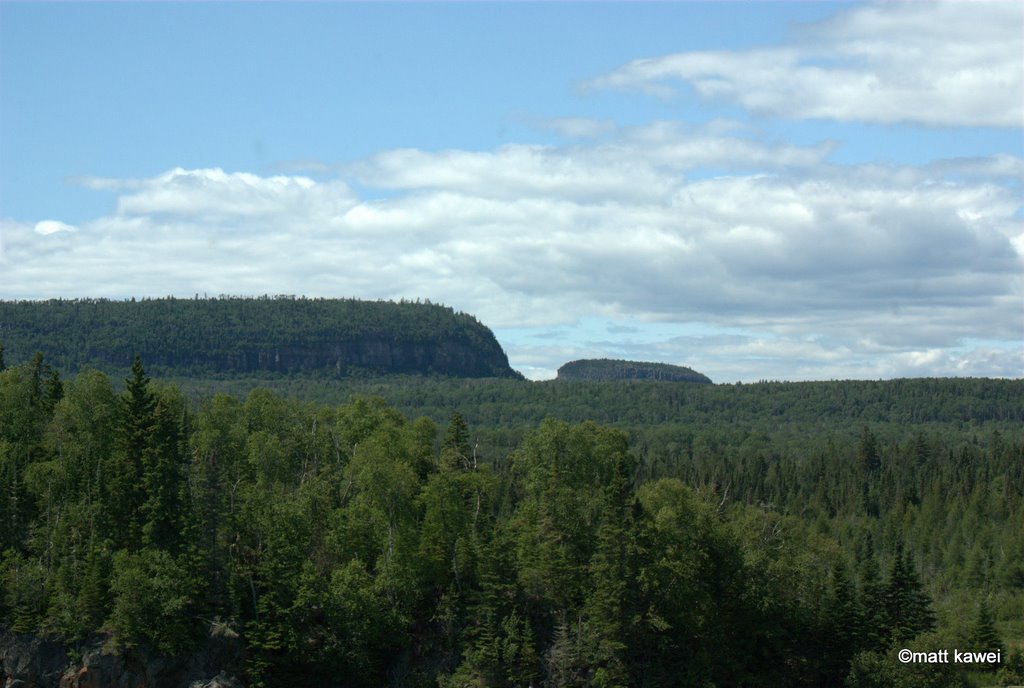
(607, 369)
(371, 355)
(31, 662)
(235, 335)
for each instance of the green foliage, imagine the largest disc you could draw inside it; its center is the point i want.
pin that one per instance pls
(720, 535)
(984, 637)
(885, 670)
(1012, 671)
(150, 601)
(607, 369)
(455, 449)
(907, 606)
(229, 335)
(24, 591)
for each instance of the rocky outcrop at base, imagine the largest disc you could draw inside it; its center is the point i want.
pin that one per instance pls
(31, 662)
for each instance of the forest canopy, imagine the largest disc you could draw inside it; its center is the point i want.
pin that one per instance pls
(243, 335)
(608, 369)
(350, 543)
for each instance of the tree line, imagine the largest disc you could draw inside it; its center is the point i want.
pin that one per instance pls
(353, 544)
(232, 335)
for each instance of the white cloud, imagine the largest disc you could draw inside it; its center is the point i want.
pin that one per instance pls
(830, 271)
(215, 193)
(938, 63)
(642, 164)
(53, 226)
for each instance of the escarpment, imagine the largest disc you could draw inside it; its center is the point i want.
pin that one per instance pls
(608, 369)
(249, 335)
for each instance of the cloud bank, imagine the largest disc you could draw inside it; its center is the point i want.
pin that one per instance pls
(701, 245)
(936, 63)
(826, 262)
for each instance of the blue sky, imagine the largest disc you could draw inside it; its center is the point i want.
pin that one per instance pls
(757, 190)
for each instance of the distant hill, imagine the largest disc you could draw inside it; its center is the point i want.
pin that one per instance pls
(608, 369)
(247, 335)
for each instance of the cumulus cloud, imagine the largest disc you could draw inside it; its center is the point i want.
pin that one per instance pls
(833, 271)
(52, 227)
(795, 266)
(643, 163)
(216, 194)
(938, 63)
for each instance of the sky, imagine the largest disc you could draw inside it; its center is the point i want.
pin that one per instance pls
(784, 191)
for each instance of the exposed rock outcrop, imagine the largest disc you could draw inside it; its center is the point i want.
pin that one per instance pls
(31, 662)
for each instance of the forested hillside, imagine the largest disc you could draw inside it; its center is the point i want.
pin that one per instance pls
(243, 335)
(609, 369)
(503, 411)
(755, 535)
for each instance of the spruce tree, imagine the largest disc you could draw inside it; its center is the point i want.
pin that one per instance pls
(455, 448)
(868, 457)
(611, 603)
(125, 493)
(908, 606)
(875, 628)
(846, 618)
(162, 477)
(984, 637)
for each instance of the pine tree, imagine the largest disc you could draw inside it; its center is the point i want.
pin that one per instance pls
(455, 448)
(875, 628)
(984, 637)
(908, 606)
(125, 494)
(518, 651)
(564, 656)
(921, 450)
(94, 593)
(54, 389)
(846, 618)
(867, 453)
(611, 604)
(162, 477)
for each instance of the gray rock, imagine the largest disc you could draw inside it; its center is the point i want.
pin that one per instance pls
(31, 662)
(221, 680)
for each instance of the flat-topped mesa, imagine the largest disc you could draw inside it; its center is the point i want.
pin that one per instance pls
(608, 369)
(247, 335)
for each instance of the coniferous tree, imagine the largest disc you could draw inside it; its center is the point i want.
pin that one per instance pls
(845, 616)
(908, 607)
(335, 543)
(162, 510)
(612, 604)
(984, 637)
(125, 488)
(54, 389)
(876, 624)
(867, 453)
(455, 448)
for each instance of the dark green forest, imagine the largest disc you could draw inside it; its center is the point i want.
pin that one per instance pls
(422, 531)
(611, 369)
(283, 334)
